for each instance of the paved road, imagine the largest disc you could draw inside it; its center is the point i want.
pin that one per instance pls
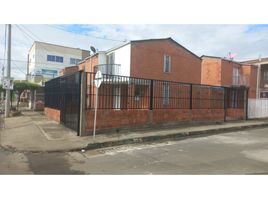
(244, 152)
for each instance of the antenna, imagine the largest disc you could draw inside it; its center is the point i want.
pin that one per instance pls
(231, 56)
(93, 49)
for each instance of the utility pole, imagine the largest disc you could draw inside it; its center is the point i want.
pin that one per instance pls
(7, 106)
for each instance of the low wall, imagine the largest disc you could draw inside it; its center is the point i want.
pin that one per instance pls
(126, 118)
(235, 113)
(53, 114)
(116, 118)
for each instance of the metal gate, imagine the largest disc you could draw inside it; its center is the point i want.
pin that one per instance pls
(257, 108)
(70, 87)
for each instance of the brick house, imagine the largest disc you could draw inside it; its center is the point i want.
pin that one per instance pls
(222, 72)
(228, 73)
(161, 59)
(145, 82)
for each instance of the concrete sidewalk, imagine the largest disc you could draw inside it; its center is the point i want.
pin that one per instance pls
(33, 132)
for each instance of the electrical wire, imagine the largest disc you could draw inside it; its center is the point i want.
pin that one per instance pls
(18, 68)
(96, 37)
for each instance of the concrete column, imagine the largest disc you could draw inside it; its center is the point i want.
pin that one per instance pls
(83, 90)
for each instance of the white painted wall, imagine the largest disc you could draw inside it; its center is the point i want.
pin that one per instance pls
(257, 108)
(38, 57)
(122, 57)
(32, 59)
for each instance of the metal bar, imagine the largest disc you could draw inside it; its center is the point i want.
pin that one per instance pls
(191, 96)
(151, 94)
(247, 103)
(225, 103)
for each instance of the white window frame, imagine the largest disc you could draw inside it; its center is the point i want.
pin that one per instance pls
(236, 76)
(165, 66)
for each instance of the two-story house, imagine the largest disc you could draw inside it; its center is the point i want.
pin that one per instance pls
(223, 72)
(262, 76)
(45, 60)
(239, 78)
(160, 59)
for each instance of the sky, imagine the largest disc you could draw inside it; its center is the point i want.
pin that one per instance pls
(247, 41)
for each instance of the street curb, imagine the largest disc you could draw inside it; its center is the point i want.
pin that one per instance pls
(173, 136)
(144, 139)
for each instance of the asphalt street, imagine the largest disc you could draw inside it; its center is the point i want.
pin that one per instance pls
(243, 152)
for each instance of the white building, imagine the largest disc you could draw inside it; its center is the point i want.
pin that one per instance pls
(46, 60)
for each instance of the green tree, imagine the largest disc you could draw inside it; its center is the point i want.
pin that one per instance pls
(21, 85)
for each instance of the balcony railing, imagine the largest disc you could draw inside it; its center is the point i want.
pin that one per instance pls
(110, 69)
(241, 80)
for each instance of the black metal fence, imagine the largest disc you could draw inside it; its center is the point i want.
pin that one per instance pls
(52, 93)
(122, 92)
(63, 93)
(236, 97)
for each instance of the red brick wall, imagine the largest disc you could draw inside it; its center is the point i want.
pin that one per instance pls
(219, 72)
(69, 70)
(227, 72)
(88, 64)
(211, 71)
(251, 71)
(126, 118)
(235, 113)
(53, 114)
(147, 61)
(116, 118)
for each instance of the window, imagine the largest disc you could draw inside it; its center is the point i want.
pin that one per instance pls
(110, 58)
(74, 61)
(167, 63)
(236, 76)
(265, 77)
(110, 64)
(51, 58)
(138, 92)
(59, 59)
(54, 58)
(234, 99)
(264, 95)
(165, 93)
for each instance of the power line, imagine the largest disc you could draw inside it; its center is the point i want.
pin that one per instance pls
(18, 68)
(96, 37)
(31, 36)
(31, 33)
(24, 32)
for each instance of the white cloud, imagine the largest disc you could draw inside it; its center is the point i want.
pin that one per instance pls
(216, 40)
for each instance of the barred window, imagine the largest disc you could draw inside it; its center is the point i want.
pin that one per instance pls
(167, 63)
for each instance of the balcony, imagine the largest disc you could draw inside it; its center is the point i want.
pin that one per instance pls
(110, 69)
(241, 80)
